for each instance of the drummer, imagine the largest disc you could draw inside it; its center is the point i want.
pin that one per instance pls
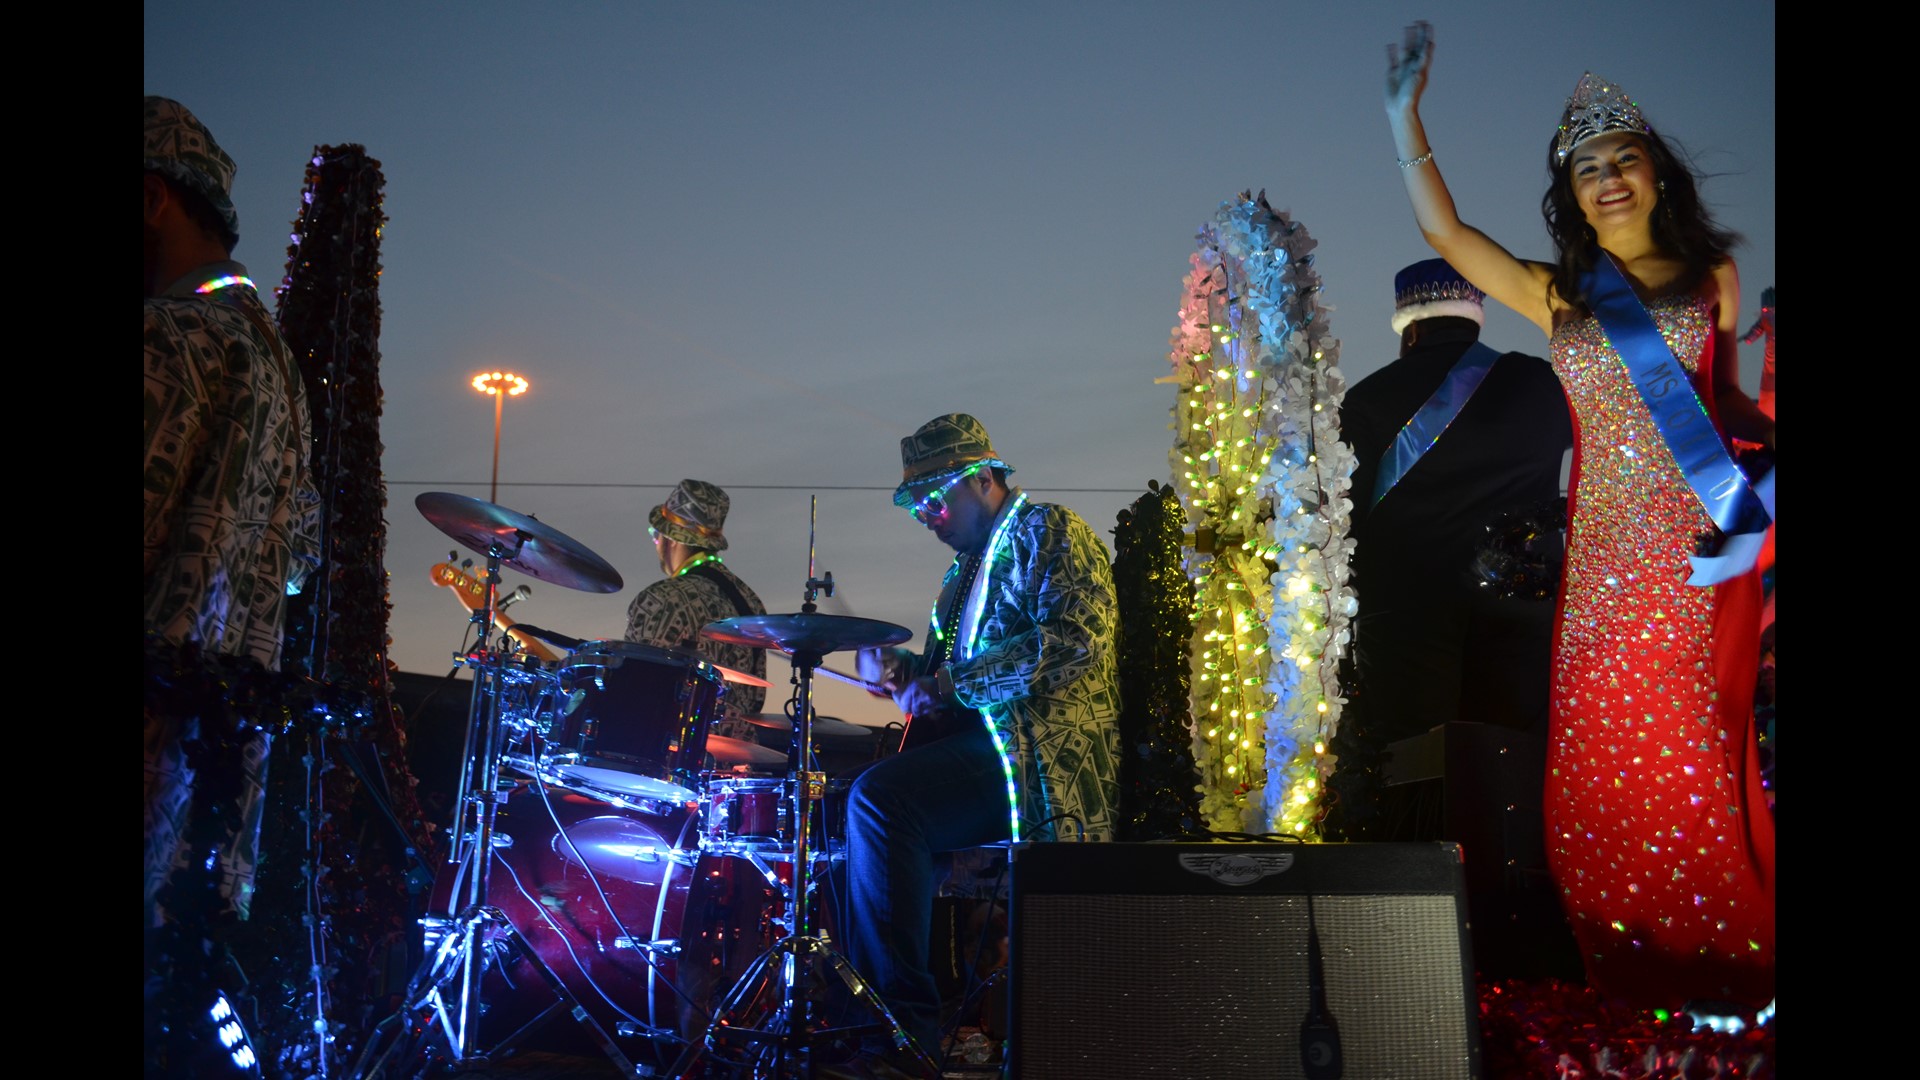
(699, 589)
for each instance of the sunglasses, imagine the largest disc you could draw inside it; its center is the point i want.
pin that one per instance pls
(933, 505)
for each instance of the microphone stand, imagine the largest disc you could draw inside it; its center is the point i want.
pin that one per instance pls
(444, 996)
(791, 1029)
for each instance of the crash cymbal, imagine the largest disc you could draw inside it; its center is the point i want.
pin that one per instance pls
(822, 725)
(728, 751)
(727, 674)
(805, 633)
(530, 546)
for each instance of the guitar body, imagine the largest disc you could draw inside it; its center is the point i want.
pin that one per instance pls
(920, 730)
(937, 725)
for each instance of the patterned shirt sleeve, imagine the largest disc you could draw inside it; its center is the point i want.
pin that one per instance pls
(176, 410)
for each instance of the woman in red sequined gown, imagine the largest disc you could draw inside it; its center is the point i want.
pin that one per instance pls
(1659, 835)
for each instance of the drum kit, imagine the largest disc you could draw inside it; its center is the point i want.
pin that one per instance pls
(617, 866)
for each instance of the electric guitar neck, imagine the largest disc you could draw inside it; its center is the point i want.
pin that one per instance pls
(473, 596)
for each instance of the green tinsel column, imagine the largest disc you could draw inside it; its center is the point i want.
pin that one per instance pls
(1159, 798)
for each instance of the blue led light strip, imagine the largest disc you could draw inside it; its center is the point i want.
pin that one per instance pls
(940, 635)
(976, 606)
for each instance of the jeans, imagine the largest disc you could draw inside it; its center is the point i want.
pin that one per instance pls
(901, 811)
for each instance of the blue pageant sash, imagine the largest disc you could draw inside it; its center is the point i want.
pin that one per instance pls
(1741, 514)
(1428, 422)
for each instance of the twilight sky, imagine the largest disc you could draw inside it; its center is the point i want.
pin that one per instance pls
(757, 243)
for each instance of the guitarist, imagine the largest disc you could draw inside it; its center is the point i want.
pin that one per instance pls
(699, 589)
(1019, 652)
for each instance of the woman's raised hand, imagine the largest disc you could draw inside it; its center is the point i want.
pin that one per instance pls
(1407, 68)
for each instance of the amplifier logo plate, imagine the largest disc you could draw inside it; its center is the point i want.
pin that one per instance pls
(1237, 868)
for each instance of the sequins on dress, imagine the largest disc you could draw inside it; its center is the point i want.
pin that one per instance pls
(1659, 836)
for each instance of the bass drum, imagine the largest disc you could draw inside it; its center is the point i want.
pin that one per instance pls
(651, 962)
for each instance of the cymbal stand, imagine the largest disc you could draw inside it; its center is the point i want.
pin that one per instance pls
(444, 997)
(786, 968)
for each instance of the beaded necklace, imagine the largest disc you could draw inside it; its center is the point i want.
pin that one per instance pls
(968, 567)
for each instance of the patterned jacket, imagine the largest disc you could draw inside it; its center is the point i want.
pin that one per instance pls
(669, 614)
(231, 514)
(1041, 668)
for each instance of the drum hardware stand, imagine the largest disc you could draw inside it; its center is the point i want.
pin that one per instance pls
(447, 987)
(786, 968)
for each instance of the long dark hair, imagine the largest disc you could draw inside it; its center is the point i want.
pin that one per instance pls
(1682, 226)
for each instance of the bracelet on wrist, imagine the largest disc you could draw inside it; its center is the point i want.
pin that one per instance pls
(1416, 162)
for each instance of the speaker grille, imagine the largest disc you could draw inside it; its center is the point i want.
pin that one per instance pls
(1194, 987)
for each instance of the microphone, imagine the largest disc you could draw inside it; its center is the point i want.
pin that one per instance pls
(549, 636)
(514, 597)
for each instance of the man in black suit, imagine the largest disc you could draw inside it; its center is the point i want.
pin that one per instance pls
(1449, 438)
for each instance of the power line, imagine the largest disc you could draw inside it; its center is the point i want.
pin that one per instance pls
(729, 487)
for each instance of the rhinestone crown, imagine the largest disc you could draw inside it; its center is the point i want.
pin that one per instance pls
(1596, 108)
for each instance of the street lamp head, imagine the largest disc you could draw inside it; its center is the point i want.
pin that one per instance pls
(498, 382)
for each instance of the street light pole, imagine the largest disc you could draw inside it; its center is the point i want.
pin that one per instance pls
(500, 384)
(493, 487)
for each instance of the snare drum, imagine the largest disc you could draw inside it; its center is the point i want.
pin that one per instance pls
(633, 726)
(753, 815)
(742, 814)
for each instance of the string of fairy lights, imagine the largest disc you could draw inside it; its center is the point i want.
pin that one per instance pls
(976, 607)
(1261, 471)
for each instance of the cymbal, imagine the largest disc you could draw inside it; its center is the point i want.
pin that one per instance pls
(805, 633)
(822, 725)
(727, 674)
(741, 752)
(537, 549)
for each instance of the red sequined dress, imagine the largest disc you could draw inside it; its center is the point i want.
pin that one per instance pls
(1658, 832)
